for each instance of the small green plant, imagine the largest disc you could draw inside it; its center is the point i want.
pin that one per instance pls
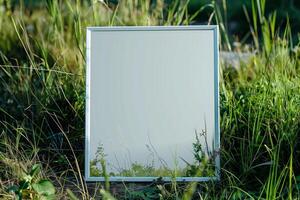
(31, 187)
(203, 161)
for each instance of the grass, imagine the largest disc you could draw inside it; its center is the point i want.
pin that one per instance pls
(202, 164)
(42, 88)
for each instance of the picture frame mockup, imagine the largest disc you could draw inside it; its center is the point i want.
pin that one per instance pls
(152, 104)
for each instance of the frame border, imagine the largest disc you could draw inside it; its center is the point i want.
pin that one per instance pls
(215, 30)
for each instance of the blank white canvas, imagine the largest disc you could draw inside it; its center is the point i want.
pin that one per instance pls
(148, 90)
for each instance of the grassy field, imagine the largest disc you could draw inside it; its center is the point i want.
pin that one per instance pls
(42, 87)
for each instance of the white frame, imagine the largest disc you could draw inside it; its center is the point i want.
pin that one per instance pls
(213, 28)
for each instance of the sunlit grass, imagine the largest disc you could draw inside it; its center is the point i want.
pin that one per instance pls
(42, 81)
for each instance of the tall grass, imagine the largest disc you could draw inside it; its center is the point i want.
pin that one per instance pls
(42, 77)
